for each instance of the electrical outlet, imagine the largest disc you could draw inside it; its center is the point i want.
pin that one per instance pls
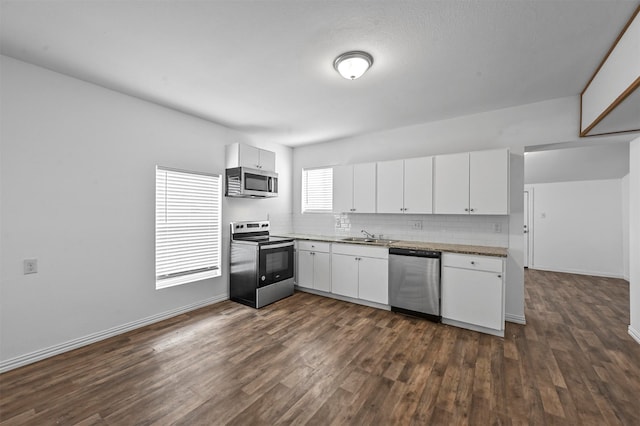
(415, 224)
(30, 266)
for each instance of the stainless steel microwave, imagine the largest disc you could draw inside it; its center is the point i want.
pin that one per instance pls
(251, 183)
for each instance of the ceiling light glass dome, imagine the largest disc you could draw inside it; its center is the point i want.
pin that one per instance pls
(352, 65)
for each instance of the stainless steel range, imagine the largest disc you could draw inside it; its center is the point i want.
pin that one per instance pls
(261, 266)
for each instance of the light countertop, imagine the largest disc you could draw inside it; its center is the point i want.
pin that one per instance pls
(416, 245)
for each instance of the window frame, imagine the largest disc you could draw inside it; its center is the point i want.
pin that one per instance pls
(304, 191)
(212, 270)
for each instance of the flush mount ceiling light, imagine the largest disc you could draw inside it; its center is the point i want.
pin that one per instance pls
(352, 65)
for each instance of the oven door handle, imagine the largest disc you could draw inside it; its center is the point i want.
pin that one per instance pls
(275, 246)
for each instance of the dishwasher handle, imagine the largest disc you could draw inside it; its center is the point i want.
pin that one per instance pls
(415, 253)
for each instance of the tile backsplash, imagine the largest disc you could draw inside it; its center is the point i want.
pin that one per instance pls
(456, 229)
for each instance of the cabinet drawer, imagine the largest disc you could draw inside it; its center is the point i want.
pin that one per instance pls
(361, 250)
(467, 261)
(319, 246)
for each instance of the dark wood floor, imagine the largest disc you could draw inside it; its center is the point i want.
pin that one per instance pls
(313, 360)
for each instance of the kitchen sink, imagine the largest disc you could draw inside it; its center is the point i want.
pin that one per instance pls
(367, 240)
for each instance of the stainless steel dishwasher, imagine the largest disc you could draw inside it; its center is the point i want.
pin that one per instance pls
(414, 282)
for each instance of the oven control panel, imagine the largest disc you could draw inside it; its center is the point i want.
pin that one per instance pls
(244, 227)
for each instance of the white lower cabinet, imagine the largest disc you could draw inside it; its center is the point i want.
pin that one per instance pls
(344, 274)
(360, 272)
(472, 285)
(373, 280)
(473, 292)
(314, 267)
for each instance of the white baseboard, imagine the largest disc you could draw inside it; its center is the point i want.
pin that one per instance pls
(499, 333)
(518, 319)
(635, 334)
(344, 298)
(576, 271)
(41, 354)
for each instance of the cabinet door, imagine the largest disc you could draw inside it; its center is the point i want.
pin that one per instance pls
(305, 269)
(267, 160)
(373, 280)
(342, 189)
(418, 185)
(248, 156)
(322, 272)
(473, 297)
(451, 184)
(344, 275)
(364, 188)
(489, 182)
(389, 188)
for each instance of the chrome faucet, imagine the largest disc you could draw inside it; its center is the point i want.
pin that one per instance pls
(368, 235)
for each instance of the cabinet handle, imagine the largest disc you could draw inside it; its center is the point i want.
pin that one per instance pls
(472, 210)
(466, 210)
(499, 276)
(401, 209)
(473, 263)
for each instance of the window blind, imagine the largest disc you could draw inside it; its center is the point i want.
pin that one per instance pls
(317, 190)
(188, 234)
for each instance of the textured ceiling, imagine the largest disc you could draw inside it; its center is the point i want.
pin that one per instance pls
(265, 67)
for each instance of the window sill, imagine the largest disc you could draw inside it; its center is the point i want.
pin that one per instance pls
(185, 279)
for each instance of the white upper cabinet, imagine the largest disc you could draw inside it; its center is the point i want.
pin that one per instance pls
(241, 155)
(342, 189)
(418, 185)
(354, 188)
(451, 184)
(390, 184)
(405, 186)
(472, 183)
(489, 182)
(267, 160)
(364, 188)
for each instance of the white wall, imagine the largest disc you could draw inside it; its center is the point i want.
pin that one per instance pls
(578, 227)
(634, 238)
(78, 186)
(624, 189)
(616, 75)
(514, 293)
(607, 161)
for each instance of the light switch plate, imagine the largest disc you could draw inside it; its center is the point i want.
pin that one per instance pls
(30, 266)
